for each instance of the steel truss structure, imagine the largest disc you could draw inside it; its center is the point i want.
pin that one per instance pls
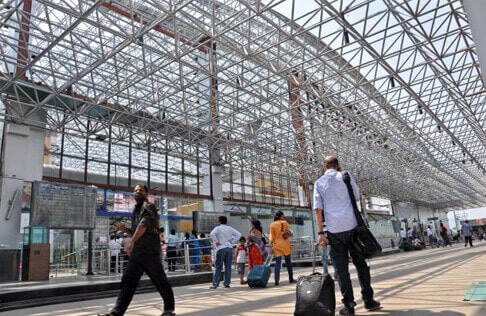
(159, 88)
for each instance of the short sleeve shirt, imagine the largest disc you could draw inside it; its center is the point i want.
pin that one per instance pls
(466, 230)
(145, 215)
(331, 195)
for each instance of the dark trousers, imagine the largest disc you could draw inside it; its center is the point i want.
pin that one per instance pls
(137, 265)
(342, 244)
(171, 258)
(113, 264)
(468, 239)
(278, 265)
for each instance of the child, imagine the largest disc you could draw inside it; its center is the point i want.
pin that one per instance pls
(241, 259)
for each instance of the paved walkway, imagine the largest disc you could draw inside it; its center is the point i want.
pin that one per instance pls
(422, 283)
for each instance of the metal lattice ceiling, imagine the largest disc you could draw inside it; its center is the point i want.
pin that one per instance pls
(393, 87)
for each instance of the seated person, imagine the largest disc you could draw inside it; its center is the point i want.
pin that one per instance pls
(407, 245)
(417, 244)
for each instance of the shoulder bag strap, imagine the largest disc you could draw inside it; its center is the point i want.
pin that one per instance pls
(347, 180)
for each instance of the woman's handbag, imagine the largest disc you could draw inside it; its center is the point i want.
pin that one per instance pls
(364, 239)
(286, 233)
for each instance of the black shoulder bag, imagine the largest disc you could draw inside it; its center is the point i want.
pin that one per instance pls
(364, 239)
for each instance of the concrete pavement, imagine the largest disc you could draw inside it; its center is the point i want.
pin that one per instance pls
(423, 283)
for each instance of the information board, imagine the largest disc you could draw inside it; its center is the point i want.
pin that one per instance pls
(63, 205)
(204, 222)
(119, 203)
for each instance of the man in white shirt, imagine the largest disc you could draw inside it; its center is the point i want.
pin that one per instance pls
(403, 234)
(172, 244)
(332, 204)
(410, 233)
(223, 237)
(114, 246)
(429, 235)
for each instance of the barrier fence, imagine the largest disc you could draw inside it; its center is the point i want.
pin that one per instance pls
(188, 256)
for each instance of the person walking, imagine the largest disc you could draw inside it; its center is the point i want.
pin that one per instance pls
(144, 256)
(467, 233)
(280, 244)
(332, 204)
(444, 233)
(223, 237)
(256, 246)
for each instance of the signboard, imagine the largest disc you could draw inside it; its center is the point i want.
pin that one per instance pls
(204, 222)
(270, 188)
(26, 196)
(102, 230)
(241, 209)
(63, 205)
(261, 211)
(119, 203)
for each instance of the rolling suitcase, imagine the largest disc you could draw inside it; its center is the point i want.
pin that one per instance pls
(315, 293)
(259, 275)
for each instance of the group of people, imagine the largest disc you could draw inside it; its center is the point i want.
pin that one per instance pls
(334, 210)
(118, 256)
(332, 206)
(199, 250)
(251, 249)
(411, 240)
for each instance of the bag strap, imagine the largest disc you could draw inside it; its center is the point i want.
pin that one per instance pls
(347, 181)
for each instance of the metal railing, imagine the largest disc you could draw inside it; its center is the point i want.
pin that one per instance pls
(188, 256)
(303, 248)
(63, 264)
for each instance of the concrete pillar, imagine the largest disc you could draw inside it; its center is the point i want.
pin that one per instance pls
(212, 184)
(21, 160)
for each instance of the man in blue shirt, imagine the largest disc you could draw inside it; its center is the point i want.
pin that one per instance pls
(333, 204)
(467, 233)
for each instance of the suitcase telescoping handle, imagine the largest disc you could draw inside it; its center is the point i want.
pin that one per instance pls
(315, 243)
(268, 261)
